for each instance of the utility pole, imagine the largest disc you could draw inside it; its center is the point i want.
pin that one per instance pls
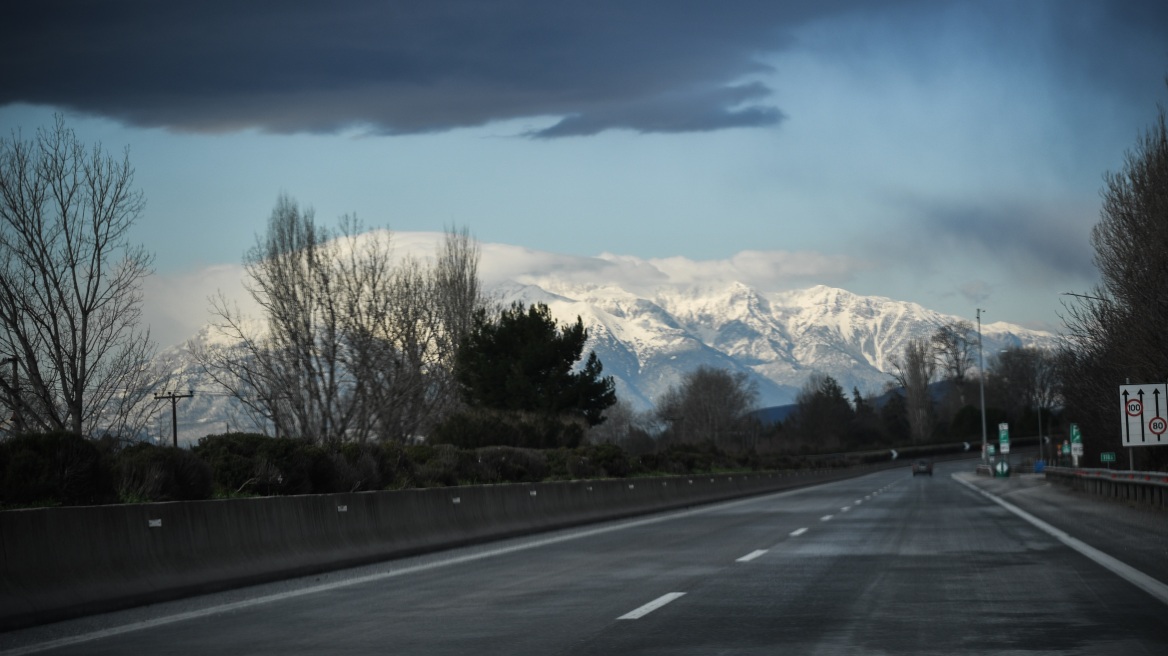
(174, 397)
(981, 385)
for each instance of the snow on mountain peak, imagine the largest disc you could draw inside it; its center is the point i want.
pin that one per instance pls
(648, 339)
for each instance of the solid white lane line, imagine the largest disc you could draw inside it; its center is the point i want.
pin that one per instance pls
(1134, 576)
(797, 532)
(826, 518)
(651, 606)
(751, 556)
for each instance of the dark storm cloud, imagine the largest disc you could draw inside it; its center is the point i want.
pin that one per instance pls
(401, 67)
(1035, 244)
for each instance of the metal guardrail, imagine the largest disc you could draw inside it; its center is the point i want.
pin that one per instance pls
(1147, 488)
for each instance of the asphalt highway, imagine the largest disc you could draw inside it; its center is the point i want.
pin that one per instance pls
(887, 563)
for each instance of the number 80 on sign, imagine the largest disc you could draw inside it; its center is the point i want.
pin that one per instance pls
(1157, 425)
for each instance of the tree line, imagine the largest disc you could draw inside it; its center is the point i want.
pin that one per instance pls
(353, 343)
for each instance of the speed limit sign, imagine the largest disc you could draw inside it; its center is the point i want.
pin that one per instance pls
(1143, 409)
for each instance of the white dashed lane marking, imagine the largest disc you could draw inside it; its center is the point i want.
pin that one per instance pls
(751, 556)
(651, 606)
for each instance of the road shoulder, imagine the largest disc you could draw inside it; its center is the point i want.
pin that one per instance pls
(1137, 536)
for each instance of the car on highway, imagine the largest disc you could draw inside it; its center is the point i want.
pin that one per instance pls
(922, 466)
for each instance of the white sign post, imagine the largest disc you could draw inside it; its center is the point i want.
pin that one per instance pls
(1143, 412)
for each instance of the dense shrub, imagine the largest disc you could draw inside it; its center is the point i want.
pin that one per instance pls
(609, 460)
(440, 465)
(356, 468)
(54, 469)
(248, 462)
(64, 469)
(504, 464)
(592, 461)
(145, 472)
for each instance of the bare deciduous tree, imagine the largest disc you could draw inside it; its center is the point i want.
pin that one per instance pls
(1023, 378)
(914, 371)
(954, 345)
(1114, 333)
(71, 285)
(710, 404)
(355, 343)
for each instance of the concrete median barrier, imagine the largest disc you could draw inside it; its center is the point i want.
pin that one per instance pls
(57, 563)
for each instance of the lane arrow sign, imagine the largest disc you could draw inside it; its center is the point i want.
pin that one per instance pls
(966, 446)
(1126, 424)
(894, 454)
(1143, 436)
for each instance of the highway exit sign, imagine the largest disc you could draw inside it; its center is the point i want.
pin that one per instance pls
(1107, 456)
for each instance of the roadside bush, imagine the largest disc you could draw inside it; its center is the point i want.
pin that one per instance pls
(356, 468)
(439, 465)
(393, 464)
(145, 472)
(249, 462)
(570, 464)
(54, 469)
(609, 459)
(504, 464)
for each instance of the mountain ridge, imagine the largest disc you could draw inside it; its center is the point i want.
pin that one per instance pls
(647, 341)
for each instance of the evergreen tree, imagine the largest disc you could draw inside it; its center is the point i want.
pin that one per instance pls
(524, 361)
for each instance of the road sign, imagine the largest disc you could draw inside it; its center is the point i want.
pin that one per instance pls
(1066, 448)
(1002, 468)
(1076, 436)
(1076, 448)
(1004, 437)
(1107, 456)
(1143, 409)
(990, 449)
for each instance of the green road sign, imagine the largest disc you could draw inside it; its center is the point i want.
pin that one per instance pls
(1107, 457)
(990, 450)
(1076, 436)
(1002, 469)
(1004, 433)
(1066, 448)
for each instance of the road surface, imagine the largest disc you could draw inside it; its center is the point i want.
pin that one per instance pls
(886, 563)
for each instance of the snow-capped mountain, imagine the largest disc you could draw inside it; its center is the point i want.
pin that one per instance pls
(647, 341)
(779, 339)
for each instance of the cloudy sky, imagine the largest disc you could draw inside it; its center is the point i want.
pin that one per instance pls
(947, 153)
